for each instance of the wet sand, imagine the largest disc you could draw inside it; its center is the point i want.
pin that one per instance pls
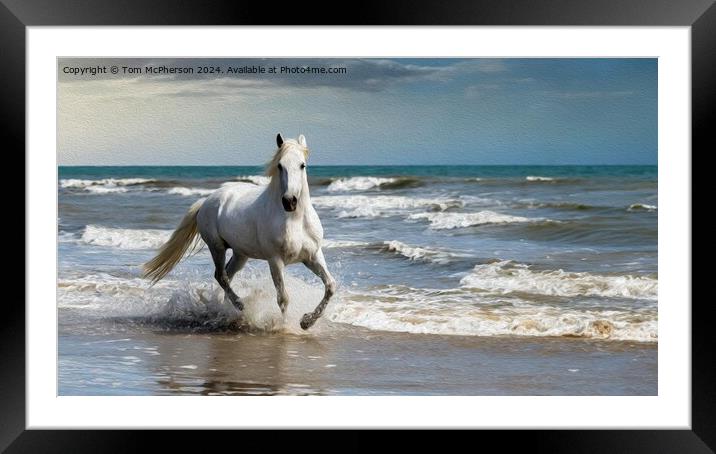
(349, 361)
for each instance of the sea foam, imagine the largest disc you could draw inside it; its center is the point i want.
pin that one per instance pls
(340, 244)
(358, 183)
(538, 178)
(507, 277)
(455, 312)
(357, 206)
(190, 191)
(107, 182)
(192, 302)
(641, 207)
(453, 220)
(124, 238)
(425, 253)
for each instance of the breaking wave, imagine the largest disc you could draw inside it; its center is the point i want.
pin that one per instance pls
(567, 206)
(107, 182)
(339, 244)
(459, 312)
(365, 183)
(124, 238)
(452, 220)
(362, 206)
(424, 254)
(537, 178)
(105, 189)
(506, 277)
(190, 191)
(641, 207)
(175, 187)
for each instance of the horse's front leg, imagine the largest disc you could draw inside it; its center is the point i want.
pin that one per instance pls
(276, 265)
(318, 265)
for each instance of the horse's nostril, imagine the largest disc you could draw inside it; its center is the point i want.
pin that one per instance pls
(289, 203)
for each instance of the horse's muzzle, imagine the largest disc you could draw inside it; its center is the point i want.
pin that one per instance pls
(289, 203)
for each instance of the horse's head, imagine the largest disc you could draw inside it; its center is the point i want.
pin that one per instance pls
(289, 167)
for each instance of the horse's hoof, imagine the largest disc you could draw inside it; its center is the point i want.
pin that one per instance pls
(307, 321)
(239, 306)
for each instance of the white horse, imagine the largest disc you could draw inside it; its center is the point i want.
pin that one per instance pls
(276, 223)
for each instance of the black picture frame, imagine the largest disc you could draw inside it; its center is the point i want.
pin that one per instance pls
(700, 15)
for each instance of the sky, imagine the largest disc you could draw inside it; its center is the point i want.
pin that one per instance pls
(378, 112)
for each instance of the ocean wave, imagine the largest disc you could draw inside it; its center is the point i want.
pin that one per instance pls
(355, 206)
(105, 185)
(124, 238)
(190, 191)
(474, 200)
(454, 312)
(105, 189)
(569, 206)
(66, 237)
(452, 220)
(357, 183)
(158, 185)
(339, 244)
(81, 184)
(538, 178)
(427, 254)
(417, 253)
(553, 180)
(641, 207)
(362, 212)
(365, 183)
(175, 187)
(507, 277)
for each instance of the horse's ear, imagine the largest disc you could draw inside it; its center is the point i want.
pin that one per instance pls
(279, 140)
(302, 140)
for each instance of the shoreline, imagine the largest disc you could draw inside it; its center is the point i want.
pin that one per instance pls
(350, 361)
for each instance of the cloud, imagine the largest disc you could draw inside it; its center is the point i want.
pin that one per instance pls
(595, 94)
(368, 75)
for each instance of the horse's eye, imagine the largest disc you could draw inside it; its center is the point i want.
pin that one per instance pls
(303, 166)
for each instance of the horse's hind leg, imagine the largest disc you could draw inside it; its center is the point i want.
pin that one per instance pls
(218, 254)
(236, 262)
(318, 266)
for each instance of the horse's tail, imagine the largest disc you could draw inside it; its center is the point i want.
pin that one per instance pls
(184, 237)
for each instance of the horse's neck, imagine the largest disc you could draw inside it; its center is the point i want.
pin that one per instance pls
(305, 196)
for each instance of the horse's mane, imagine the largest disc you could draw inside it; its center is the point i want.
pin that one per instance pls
(272, 165)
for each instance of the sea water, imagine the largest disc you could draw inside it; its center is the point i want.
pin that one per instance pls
(533, 252)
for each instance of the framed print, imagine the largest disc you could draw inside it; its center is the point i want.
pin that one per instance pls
(383, 226)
